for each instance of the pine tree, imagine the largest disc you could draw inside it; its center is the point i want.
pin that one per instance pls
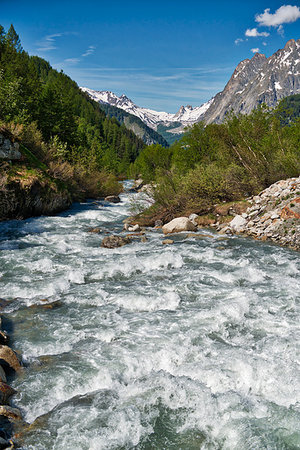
(12, 38)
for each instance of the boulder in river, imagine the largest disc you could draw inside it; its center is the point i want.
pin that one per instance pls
(2, 375)
(5, 393)
(10, 413)
(94, 230)
(112, 199)
(9, 356)
(134, 228)
(168, 241)
(115, 241)
(179, 224)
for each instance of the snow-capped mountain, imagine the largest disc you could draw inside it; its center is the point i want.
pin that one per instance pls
(258, 80)
(186, 115)
(254, 81)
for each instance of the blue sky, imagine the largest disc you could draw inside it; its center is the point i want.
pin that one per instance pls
(161, 54)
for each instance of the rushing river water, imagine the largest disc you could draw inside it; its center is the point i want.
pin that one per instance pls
(189, 346)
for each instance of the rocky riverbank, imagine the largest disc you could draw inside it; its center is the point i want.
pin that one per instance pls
(10, 417)
(272, 215)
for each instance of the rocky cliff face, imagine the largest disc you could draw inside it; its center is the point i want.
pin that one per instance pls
(9, 150)
(22, 198)
(258, 80)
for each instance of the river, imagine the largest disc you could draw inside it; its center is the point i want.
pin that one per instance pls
(194, 345)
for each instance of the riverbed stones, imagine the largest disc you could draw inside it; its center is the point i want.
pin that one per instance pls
(134, 228)
(10, 413)
(112, 199)
(6, 392)
(179, 224)
(94, 230)
(2, 375)
(158, 223)
(115, 241)
(9, 356)
(167, 242)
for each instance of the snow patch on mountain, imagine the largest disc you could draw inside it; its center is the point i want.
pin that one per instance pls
(187, 115)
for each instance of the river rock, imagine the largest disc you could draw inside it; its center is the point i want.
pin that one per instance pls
(10, 413)
(2, 374)
(4, 338)
(115, 241)
(9, 356)
(5, 444)
(134, 228)
(112, 199)
(167, 242)
(5, 393)
(158, 223)
(238, 223)
(179, 224)
(94, 230)
(193, 218)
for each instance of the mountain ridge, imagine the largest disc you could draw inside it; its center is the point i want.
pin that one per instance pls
(254, 81)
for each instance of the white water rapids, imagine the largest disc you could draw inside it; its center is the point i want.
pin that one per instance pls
(189, 346)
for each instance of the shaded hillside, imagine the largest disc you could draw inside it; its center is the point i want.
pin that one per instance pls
(133, 123)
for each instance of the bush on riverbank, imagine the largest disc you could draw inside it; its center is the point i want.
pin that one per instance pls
(222, 163)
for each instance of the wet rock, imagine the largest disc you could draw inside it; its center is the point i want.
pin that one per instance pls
(10, 413)
(9, 356)
(158, 223)
(115, 241)
(94, 230)
(112, 199)
(179, 224)
(2, 374)
(5, 444)
(6, 392)
(167, 242)
(144, 239)
(134, 228)
(4, 338)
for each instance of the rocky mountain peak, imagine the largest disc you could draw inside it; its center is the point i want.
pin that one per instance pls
(258, 80)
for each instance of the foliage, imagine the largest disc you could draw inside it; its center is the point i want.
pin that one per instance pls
(223, 162)
(37, 96)
(126, 118)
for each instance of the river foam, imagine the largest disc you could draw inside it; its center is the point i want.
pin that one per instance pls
(187, 346)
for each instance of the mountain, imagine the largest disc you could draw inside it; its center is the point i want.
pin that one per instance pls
(135, 124)
(254, 81)
(258, 80)
(169, 125)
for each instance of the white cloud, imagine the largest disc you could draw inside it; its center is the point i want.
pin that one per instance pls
(72, 60)
(89, 51)
(284, 14)
(238, 41)
(48, 42)
(254, 50)
(254, 33)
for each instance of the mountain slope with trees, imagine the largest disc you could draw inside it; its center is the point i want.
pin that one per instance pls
(67, 142)
(135, 124)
